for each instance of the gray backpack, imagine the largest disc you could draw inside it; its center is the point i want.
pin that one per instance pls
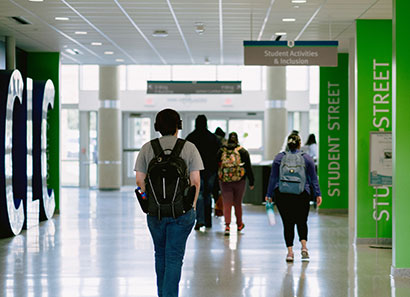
(292, 173)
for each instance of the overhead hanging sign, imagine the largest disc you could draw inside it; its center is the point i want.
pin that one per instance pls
(194, 87)
(286, 53)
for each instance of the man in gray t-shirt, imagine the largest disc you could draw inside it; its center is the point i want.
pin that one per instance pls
(170, 234)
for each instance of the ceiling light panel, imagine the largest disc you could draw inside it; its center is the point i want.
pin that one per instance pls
(154, 14)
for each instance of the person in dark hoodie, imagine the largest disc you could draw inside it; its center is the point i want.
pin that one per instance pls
(234, 166)
(208, 145)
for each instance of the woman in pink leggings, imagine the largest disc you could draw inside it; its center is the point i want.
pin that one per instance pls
(234, 167)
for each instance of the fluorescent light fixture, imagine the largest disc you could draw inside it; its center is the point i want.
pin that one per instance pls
(62, 19)
(280, 33)
(80, 32)
(119, 60)
(288, 20)
(36, 0)
(160, 33)
(96, 43)
(299, 1)
(109, 53)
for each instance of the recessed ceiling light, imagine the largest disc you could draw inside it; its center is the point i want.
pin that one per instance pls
(280, 33)
(80, 32)
(288, 20)
(160, 33)
(298, 1)
(119, 60)
(36, 0)
(62, 19)
(109, 53)
(96, 43)
(199, 28)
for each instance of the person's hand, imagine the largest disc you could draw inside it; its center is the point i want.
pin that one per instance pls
(318, 200)
(251, 187)
(268, 199)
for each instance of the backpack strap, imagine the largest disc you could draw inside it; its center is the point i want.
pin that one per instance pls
(156, 146)
(176, 151)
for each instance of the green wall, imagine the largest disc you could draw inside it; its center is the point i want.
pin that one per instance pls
(43, 66)
(334, 134)
(373, 113)
(401, 139)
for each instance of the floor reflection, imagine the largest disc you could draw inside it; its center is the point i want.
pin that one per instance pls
(100, 246)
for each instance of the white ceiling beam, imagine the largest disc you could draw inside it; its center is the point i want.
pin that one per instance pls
(98, 30)
(140, 32)
(221, 34)
(266, 19)
(180, 31)
(310, 20)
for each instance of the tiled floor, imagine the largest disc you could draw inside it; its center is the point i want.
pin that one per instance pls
(100, 246)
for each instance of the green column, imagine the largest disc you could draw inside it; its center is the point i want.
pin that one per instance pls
(374, 113)
(43, 66)
(334, 134)
(401, 139)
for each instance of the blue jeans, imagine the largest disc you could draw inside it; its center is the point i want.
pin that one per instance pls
(204, 203)
(170, 236)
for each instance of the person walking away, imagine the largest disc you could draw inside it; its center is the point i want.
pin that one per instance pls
(208, 145)
(220, 134)
(289, 185)
(216, 191)
(171, 214)
(234, 167)
(310, 147)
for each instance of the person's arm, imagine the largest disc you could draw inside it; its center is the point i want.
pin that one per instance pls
(140, 179)
(273, 178)
(311, 171)
(248, 168)
(195, 180)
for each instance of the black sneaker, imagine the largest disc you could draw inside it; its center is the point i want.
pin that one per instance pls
(198, 226)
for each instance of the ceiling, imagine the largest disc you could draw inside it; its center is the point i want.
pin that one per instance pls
(125, 27)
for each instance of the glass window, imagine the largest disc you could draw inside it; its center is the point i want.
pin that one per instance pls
(137, 76)
(123, 77)
(93, 157)
(249, 132)
(190, 72)
(314, 84)
(297, 78)
(70, 147)
(69, 84)
(227, 72)
(314, 121)
(213, 124)
(251, 78)
(140, 131)
(90, 79)
(264, 83)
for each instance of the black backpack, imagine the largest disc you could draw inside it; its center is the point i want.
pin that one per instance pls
(167, 182)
